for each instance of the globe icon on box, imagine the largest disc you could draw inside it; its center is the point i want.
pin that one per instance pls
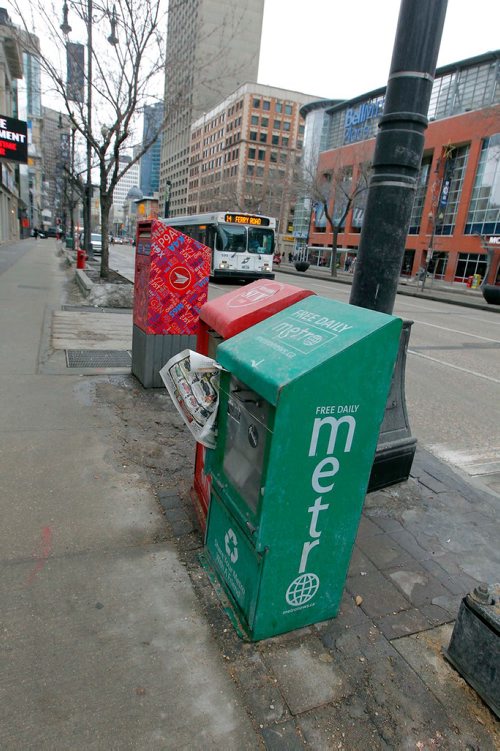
(302, 589)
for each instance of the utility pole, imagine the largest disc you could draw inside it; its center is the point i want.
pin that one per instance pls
(88, 190)
(398, 154)
(396, 163)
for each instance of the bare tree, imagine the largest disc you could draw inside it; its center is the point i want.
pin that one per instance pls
(335, 190)
(120, 77)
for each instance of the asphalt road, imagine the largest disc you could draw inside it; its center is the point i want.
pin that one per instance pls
(452, 374)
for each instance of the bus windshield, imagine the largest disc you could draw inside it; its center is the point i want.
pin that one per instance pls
(260, 240)
(238, 239)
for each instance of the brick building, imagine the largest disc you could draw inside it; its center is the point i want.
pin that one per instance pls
(455, 222)
(244, 154)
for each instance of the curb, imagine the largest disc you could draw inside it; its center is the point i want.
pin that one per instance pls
(403, 290)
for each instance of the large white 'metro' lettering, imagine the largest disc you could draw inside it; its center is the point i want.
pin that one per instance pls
(334, 427)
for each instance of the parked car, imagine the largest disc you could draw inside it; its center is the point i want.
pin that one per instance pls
(54, 231)
(95, 242)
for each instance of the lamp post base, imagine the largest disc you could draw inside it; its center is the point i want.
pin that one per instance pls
(396, 447)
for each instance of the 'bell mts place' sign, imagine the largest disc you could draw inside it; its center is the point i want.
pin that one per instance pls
(13, 139)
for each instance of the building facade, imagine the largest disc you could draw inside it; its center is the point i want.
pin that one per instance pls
(33, 187)
(11, 70)
(455, 220)
(56, 160)
(245, 154)
(129, 180)
(150, 161)
(212, 48)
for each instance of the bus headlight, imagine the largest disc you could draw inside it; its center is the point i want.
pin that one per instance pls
(223, 265)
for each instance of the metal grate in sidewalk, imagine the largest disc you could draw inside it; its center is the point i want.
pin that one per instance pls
(99, 358)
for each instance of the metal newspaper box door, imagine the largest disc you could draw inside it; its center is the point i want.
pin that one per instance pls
(301, 402)
(221, 319)
(171, 285)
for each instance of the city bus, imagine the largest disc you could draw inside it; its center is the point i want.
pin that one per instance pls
(242, 245)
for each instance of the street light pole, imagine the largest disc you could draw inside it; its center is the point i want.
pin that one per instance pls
(398, 154)
(88, 202)
(113, 40)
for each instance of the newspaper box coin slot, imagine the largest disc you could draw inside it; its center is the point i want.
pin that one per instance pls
(222, 318)
(302, 396)
(170, 286)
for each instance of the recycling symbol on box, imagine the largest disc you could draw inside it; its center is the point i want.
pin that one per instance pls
(231, 544)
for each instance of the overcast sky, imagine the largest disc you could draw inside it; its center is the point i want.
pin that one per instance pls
(343, 48)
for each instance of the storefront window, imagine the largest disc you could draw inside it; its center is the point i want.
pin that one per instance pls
(469, 264)
(420, 193)
(484, 210)
(451, 190)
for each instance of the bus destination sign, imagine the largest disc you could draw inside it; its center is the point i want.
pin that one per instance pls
(260, 221)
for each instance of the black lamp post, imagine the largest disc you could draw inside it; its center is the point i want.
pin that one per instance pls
(113, 40)
(396, 163)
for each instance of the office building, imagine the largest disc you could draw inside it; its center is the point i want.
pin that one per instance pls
(213, 47)
(454, 229)
(245, 154)
(11, 70)
(56, 159)
(150, 161)
(129, 180)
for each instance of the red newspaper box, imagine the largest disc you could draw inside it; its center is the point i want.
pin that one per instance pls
(221, 319)
(170, 286)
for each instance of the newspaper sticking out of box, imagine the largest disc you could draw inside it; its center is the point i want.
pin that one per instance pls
(192, 380)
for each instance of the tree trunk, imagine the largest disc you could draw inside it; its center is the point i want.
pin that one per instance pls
(335, 235)
(105, 209)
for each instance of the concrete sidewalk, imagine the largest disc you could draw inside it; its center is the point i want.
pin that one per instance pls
(104, 644)
(112, 636)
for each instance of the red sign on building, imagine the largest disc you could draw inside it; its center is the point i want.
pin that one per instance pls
(13, 139)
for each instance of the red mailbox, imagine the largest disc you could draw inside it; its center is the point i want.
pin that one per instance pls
(221, 319)
(170, 286)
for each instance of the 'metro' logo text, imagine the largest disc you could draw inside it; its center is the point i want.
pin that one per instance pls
(304, 587)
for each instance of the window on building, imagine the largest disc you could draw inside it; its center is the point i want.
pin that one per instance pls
(266, 105)
(420, 193)
(469, 264)
(251, 153)
(277, 124)
(256, 103)
(250, 169)
(275, 140)
(451, 190)
(483, 217)
(286, 125)
(254, 120)
(301, 130)
(259, 171)
(261, 155)
(285, 140)
(288, 109)
(264, 121)
(278, 107)
(263, 136)
(253, 135)
(274, 157)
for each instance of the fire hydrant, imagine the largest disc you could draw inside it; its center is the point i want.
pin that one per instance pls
(81, 257)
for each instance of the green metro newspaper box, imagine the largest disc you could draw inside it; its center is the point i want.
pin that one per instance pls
(301, 402)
